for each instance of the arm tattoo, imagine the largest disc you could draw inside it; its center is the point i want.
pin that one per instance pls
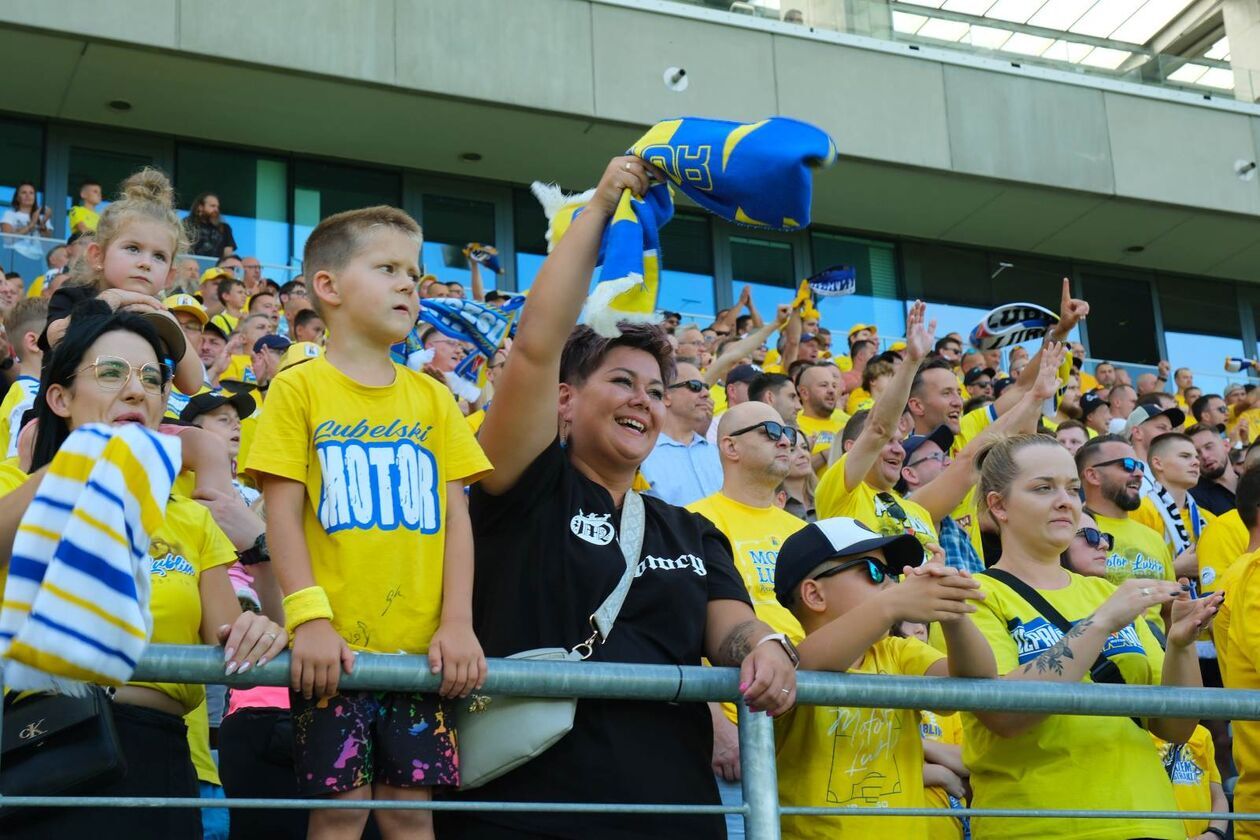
(736, 644)
(1052, 660)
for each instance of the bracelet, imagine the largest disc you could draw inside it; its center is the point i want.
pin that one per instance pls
(305, 605)
(1213, 830)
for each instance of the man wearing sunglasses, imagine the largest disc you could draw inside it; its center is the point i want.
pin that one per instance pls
(756, 449)
(683, 467)
(1111, 477)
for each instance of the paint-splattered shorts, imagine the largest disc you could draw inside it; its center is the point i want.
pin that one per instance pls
(355, 738)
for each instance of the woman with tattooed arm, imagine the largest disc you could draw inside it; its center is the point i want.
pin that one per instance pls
(574, 416)
(1031, 488)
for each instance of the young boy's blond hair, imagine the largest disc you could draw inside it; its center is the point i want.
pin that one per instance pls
(335, 240)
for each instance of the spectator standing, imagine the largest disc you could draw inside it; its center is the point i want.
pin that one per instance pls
(208, 234)
(83, 217)
(251, 275)
(1122, 400)
(1072, 435)
(22, 326)
(1095, 414)
(308, 326)
(25, 218)
(801, 483)
(1217, 481)
(756, 452)
(232, 298)
(818, 387)
(1175, 463)
(684, 467)
(777, 391)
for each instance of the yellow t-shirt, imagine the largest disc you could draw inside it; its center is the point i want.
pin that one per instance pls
(88, 217)
(826, 430)
(1138, 552)
(1066, 761)
(198, 723)
(11, 478)
(858, 399)
(36, 289)
(1251, 415)
(1221, 543)
(239, 369)
(1193, 773)
(944, 729)
(188, 543)
(1237, 653)
(475, 420)
(375, 462)
(1220, 627)
(837, 756)
(1088, 382)
(755, 535)
(886, 512)
(718, 395)
(249, 431)
(971, 424)
(225, 322)
(19, 397)
(1148, 515)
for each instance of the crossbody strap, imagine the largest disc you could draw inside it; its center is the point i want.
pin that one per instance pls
(1103, 669)
(630, 539)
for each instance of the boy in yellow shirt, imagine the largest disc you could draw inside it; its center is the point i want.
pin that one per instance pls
(25, 322)
(1196, 781)
(363, 476)
(83, 217)
(836, 576)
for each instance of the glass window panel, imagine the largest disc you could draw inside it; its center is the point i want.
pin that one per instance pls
(1201, 327)
(321, 189)
(1121, 318)
(767, 267)
(1205, 355)
(106, 166)
(450, 223)
(21, 159)
(878, 299)
(529, 229)
(687, 268)
(253, 196)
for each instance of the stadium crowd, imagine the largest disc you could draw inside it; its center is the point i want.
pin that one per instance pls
(804, 499)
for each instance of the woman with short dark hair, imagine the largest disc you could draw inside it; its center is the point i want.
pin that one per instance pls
(574, 416)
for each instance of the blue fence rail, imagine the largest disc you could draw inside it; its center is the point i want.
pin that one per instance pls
(761, 809)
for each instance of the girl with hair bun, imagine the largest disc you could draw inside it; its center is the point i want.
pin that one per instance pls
(1030, 487)
(128, 264)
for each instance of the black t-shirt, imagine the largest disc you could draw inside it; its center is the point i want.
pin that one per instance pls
(546, 557)
(208, 240)
(60, 305)
(1213, 497)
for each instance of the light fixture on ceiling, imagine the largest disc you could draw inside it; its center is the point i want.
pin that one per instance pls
(1245, 170)
(1135, 249)
(118, 105)
(470, 157)
(676, 79)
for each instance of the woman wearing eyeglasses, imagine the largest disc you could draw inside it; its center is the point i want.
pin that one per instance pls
(106, 370)
(575, 415)
(1030, 487)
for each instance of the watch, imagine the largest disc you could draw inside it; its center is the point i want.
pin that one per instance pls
(786, 644)
(256, 553)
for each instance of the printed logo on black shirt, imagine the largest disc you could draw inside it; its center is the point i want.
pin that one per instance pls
(593, 528)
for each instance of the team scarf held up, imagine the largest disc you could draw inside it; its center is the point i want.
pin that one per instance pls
(478, 324)
(759, 175)
(76, 604)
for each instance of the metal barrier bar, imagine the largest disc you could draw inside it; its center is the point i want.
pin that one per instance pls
(761, 811)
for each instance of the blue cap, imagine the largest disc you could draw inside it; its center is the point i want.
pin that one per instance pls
(272, 342)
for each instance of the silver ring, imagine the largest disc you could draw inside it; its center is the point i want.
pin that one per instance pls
(627, 166)
(269, 636)
(1146, 590)
(785, 691)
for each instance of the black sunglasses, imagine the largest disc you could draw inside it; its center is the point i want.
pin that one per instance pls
(895, 510)
(1095, 538)
(695, 386)
(874, 567)
(774, 431)
(1129, 465)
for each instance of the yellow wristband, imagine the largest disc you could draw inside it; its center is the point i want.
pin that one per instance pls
(305, 605)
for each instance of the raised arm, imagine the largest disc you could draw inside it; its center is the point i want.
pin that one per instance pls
(739, 349)
(478, 288)
(522, 421)
(881, 423)
(791, 340)
(753, 314)
(1071, 312)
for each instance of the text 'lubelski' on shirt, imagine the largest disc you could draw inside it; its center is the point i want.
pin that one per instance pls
(375, 462)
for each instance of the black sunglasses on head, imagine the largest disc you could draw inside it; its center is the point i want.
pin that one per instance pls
(774, 431)
(695, 386)
(1129, 465)
(1095, 538)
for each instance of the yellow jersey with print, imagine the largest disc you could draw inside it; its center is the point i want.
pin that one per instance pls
(859, 399)
(240, 369)
(198, 723)
(86, 216)
(944, 729)
(826, 431)
(1237, 651)
(1137, 552)
(718, 394)
(188, 544)
(1065, 761)
(755, 535)
(839, 756)
(11, 478)
(1221, 543)
(19, 398)
(971, 424)
(883, 511)
(1148, 514)
(375, 462)
(1192, 768)
(1241, 412)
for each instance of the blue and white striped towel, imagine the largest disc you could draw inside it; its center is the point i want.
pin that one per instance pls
(76, 604)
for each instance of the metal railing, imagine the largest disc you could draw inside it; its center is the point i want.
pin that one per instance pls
(668, 683)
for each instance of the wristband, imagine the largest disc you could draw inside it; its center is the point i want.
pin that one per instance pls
(305, 605)
(1214, 830)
